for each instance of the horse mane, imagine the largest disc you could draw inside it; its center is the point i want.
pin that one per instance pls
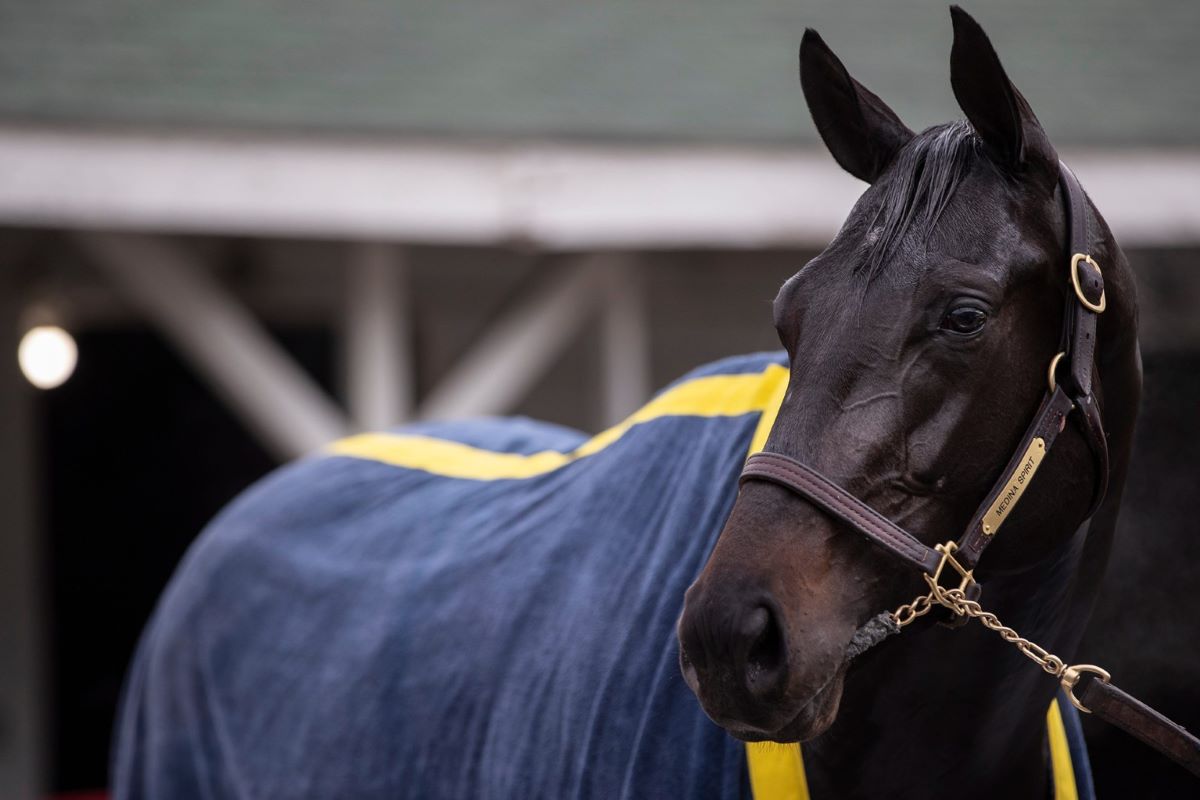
(919, 185)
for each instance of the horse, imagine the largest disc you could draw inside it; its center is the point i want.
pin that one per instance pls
(918, 345)
(506, 608)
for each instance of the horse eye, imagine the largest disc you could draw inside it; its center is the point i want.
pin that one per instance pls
(964, 320)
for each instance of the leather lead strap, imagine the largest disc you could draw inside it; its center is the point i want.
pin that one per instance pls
(1131, 715)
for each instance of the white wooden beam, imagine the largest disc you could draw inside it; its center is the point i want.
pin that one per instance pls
(378, 349)
(624, 340)
(272, 394)
(500, 370)
(566, 196)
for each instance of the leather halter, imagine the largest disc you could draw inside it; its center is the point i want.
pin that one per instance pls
(1074, 392)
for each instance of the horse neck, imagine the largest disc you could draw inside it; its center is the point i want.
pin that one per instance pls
(932, 711)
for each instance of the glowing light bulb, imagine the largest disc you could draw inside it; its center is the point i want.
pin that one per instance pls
(47, 355)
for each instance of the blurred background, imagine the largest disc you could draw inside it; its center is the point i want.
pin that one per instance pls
(231, 232)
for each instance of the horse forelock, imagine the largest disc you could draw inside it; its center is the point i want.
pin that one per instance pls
(916, 190)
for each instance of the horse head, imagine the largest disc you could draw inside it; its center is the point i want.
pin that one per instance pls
(919, 343)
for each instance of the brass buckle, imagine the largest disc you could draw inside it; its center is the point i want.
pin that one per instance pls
(1050, 379)
(967, 576)
(1070, 677)
(1088, 304)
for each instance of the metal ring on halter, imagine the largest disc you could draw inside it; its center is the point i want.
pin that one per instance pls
(1053, 368)
(1088, 304)
(1070, 677)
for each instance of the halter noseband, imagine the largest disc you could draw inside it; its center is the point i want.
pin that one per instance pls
(1075, 391)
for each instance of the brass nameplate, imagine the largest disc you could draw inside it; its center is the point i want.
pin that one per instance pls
(1018, 482)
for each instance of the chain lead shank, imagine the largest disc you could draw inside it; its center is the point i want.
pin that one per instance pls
(957, 601)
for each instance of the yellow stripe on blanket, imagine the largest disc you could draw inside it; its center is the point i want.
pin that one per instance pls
(777, 770)
(710, 396)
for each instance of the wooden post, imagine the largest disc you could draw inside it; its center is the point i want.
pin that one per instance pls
(378, 350)
(22, 619)
(625, 340)
(272, 394)
(498, 372)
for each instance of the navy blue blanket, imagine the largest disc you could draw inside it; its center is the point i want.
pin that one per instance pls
(469, 610)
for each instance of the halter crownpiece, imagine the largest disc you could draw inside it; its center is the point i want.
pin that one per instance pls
(1074, 392)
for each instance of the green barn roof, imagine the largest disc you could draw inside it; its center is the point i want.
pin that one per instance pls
(1097, 71)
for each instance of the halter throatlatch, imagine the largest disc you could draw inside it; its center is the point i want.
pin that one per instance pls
(956, 559)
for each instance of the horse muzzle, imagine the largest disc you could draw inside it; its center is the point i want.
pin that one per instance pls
(735, 656)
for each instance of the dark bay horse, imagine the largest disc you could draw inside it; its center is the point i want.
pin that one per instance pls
(489, 609)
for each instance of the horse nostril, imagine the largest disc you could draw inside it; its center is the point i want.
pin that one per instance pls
(731, 654)
(766, 661)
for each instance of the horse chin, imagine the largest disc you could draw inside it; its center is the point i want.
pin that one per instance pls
(812, 718)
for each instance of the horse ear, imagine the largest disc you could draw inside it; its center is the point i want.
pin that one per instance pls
(999, 113)
(861, 132)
